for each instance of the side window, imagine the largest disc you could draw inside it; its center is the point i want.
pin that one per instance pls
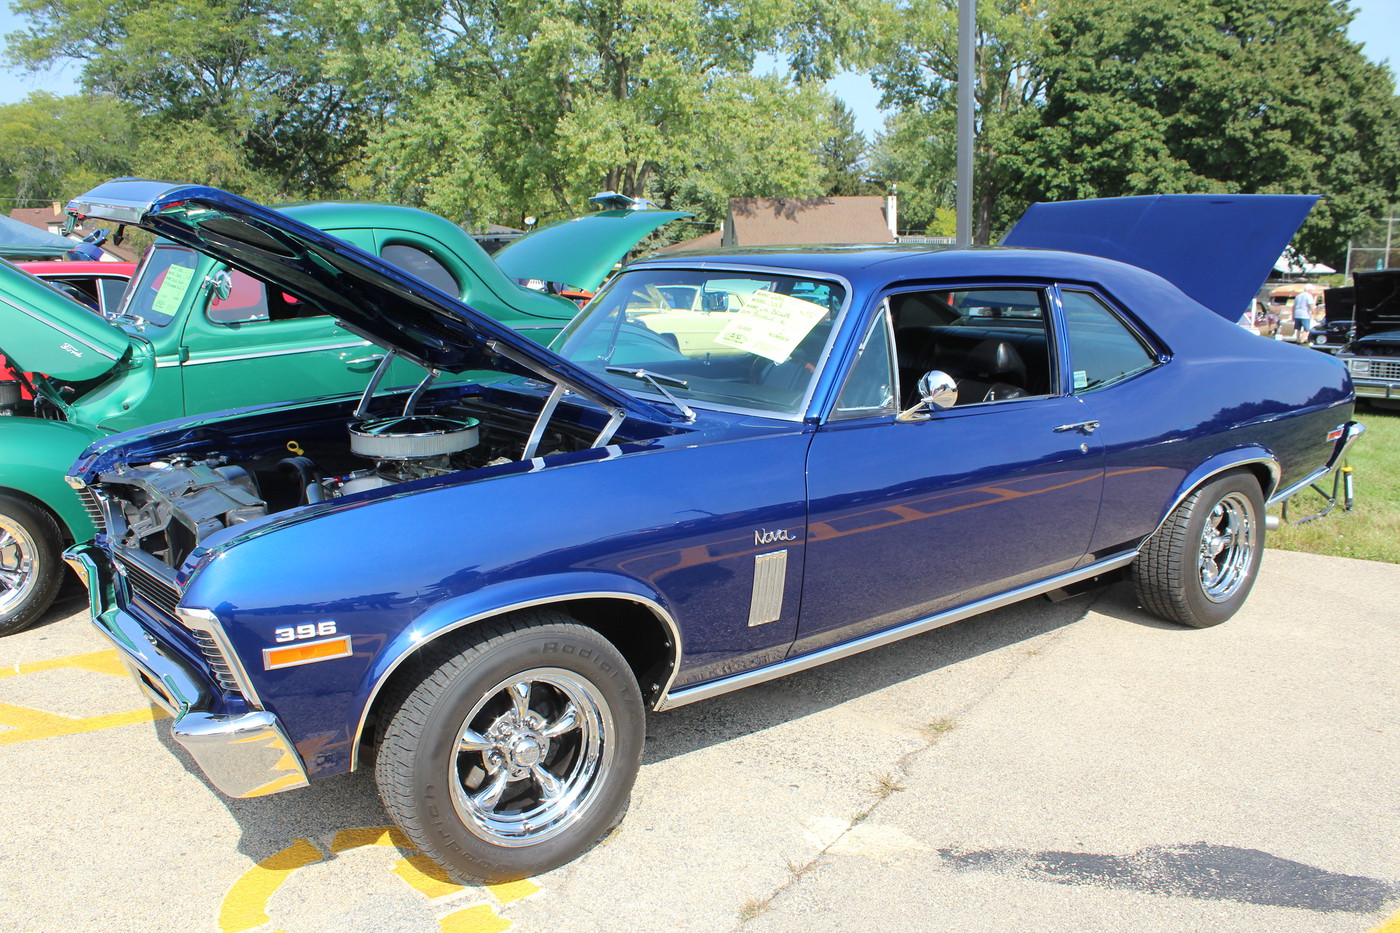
(248, 302)
(110, 294)
(417, 262)
(993, 342)
(1102, 348)
(870, 388)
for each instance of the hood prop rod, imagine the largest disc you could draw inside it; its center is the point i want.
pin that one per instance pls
(363, 408)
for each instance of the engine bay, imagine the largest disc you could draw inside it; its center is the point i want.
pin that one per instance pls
(168, 506)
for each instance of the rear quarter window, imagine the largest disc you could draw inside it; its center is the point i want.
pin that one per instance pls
(1103, 349)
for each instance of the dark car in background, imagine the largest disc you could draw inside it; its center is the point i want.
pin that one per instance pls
(1373, 354)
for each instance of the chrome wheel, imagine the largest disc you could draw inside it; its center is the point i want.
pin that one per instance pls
(531, 756)
(19, 575)
(1227, 547)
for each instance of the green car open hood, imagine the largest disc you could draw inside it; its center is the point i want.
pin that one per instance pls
(365, 294)
(44, 331)
(581, 251)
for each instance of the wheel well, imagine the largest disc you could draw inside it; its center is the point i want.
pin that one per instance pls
(643, 639)
(1261, 473)
(42, 506)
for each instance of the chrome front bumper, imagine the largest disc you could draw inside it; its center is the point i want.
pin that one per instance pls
(1366, 388)
(246, 755)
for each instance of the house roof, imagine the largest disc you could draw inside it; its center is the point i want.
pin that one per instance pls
(783, 221)
(710, 240)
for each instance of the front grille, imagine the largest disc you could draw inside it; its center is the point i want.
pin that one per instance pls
(1385, 369)
(93, 508)
(218, 664)
(160, 594)
(151, 589)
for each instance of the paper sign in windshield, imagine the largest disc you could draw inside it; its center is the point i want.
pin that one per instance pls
(771, 325)
(172, 289)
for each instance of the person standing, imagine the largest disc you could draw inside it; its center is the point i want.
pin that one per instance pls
(1302, 316)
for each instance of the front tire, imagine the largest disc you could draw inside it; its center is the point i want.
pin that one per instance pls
(516, 753)
(30, 569)
(1198, 568)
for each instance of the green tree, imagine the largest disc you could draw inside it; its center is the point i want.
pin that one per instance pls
(251, 70)
(843, 156)
(52, 148)
(1212, 96)
(917, 72)
(530, 107)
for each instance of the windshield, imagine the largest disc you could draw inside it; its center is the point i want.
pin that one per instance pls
(161, 284)
(744, 340)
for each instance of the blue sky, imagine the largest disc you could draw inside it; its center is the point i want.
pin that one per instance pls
(1376, 27)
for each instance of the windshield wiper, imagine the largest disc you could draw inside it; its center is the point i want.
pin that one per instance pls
(655, 380)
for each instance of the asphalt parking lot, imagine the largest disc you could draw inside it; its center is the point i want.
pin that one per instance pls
(1049, 767)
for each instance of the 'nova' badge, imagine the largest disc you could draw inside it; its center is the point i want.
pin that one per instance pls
(764, 536)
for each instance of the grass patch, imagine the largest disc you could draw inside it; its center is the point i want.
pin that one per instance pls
(938, 727)
(1372, 530)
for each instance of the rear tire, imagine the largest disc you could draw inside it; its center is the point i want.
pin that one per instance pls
(30, 568)
(1198, 568)
(516, 753)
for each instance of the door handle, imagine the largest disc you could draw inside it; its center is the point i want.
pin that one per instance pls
(364, 363)
(1083, 427)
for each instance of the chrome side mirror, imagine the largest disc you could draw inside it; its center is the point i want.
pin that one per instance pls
(937, 391)
(221, 283)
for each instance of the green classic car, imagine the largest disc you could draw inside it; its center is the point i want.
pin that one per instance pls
(193, 336)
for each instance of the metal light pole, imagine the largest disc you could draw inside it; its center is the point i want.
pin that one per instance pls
(967, 32)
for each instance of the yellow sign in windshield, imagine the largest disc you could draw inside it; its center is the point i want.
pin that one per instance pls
(771, 325)
(172, 289)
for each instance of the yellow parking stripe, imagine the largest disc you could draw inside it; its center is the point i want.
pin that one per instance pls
(479, 919)
(245, 908)
(99, 662)
(1390, 926)
(426, 876)
(26, 725)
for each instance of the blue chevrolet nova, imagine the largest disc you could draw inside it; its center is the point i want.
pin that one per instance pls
(731, 466)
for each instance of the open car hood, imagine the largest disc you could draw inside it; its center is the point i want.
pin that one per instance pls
(1377, 301)
(369, 297)
(580, 251)
(45, 331)
(1217, 248)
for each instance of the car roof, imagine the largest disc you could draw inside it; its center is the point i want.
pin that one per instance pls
(910, 261)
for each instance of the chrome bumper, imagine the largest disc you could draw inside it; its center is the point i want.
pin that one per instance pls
(1369, 389)
(247, 755)
(1351, 431)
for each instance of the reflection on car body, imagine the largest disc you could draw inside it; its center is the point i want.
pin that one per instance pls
(517, 568)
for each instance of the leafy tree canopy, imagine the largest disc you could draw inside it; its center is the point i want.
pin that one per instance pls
(1211, 96)
(53, 147)
(530, 107)
(251, 71)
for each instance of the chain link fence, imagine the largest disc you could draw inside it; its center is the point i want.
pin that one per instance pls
(1377, 247)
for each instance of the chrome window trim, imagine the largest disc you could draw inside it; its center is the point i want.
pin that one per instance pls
(661, 614)
(841, 414)
(200, 361)
(1152, 346)
(713, 688)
